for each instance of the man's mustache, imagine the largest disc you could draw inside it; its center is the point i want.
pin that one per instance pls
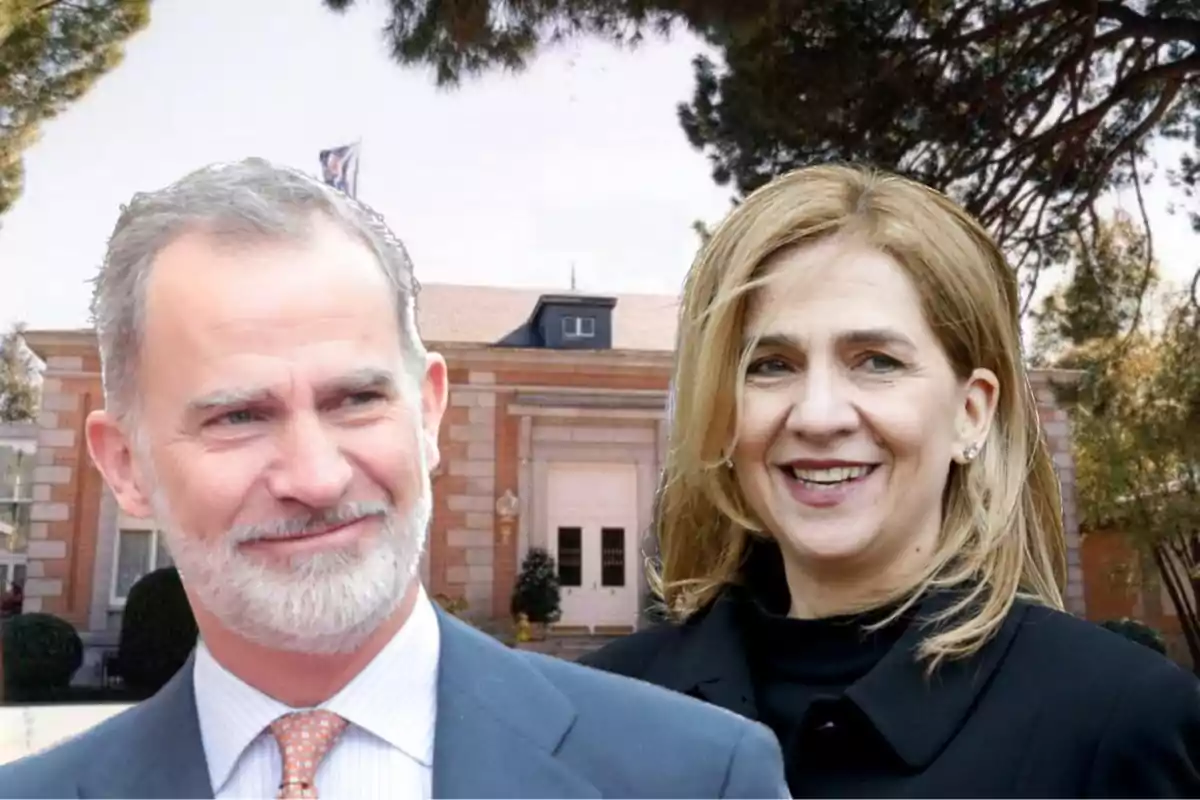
(309, 524)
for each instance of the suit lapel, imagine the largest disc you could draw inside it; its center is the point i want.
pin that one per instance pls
(499, 723)
(162, 755)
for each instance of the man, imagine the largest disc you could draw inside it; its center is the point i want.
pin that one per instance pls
(270, 404)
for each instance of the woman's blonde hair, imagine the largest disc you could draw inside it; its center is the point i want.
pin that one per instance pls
(1002, 534)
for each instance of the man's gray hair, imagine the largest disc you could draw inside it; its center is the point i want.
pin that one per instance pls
(241, 202)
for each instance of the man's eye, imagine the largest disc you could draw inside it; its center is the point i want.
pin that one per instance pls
(240, 417)
(362, 398)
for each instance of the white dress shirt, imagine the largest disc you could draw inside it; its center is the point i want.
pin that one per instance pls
(386, 751)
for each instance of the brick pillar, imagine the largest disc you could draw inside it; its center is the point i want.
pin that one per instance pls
(66, 487)
(463, 548)
(1057, 425)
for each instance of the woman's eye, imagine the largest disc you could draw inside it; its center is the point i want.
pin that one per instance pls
(767, 366)
(877, 362)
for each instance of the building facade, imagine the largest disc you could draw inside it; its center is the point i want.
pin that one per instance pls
(554, 438)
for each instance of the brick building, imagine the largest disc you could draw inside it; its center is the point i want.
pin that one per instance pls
(554, 437)
(1121, 582)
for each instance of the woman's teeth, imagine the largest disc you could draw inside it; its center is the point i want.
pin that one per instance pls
(829, 477)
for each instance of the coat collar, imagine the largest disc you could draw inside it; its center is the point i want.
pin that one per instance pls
(916, 714)
(164, 733)
(710, 661)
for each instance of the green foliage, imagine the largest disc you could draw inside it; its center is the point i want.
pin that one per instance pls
(41, 652)
(454, 606)
(537, 593)
(158, 631)
(1138, 632)
(1025, 112)
(51, 53)
(18, 394)
(1136, 411)
(1113, 271)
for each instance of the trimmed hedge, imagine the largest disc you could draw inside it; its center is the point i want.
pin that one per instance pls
(74, 696)
(158, 632)
(41, 653)
(1138, 632)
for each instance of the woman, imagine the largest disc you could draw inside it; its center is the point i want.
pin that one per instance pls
(859, 523)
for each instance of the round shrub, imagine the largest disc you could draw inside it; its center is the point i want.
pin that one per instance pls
(41, 652)
(158, 631)
(1138, 632)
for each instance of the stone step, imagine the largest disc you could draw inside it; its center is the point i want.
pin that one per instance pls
(567, 647)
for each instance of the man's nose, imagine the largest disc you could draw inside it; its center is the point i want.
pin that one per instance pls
(822, 405)
(312, 468)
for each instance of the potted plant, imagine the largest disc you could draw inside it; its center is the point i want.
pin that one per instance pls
(536, 596)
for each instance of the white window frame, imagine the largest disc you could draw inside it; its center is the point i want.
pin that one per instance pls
(12, 560)
(8, 532)
(132, 525)
(20, 498)
(575, 327)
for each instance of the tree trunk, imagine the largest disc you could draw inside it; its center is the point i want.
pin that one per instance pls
(1177, 564)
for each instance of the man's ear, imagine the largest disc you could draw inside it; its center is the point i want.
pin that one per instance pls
(113, 454)
(435, 388)
(980, 398)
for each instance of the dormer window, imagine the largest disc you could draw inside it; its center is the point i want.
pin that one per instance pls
(578, 327)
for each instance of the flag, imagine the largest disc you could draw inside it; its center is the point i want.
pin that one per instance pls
(339, 168)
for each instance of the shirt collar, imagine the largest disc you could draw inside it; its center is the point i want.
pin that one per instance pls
(394, 698)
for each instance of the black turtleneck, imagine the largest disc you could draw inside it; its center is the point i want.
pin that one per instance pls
(796, 663)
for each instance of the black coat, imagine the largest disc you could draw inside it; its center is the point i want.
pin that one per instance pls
(1052, 706)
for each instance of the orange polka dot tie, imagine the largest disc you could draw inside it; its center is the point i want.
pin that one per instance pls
(304, 739)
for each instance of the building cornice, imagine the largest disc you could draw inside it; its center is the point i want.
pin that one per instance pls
(484, 357)
(40, 339)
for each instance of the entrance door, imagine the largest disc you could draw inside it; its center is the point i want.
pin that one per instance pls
(593, 537)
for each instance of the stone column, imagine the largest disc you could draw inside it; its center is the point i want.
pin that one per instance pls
(66, 490)
(470, 549)
(1057, 426)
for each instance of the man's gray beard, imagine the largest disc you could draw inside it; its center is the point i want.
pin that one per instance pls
(322, 603)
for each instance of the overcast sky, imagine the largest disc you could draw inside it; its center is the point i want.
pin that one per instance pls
(508, 181)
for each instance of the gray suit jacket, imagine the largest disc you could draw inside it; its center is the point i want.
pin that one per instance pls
(509, 724)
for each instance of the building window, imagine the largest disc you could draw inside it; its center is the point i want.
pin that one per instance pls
(612, 556)
(138, 552)
(570, 557)
(579, 327)
(16, 498)
(12, 570)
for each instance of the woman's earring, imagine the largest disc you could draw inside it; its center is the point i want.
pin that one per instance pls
(970, 453)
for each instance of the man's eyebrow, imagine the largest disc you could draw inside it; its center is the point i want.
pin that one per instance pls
(360, 380)
(863, 336)
(224, 398)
